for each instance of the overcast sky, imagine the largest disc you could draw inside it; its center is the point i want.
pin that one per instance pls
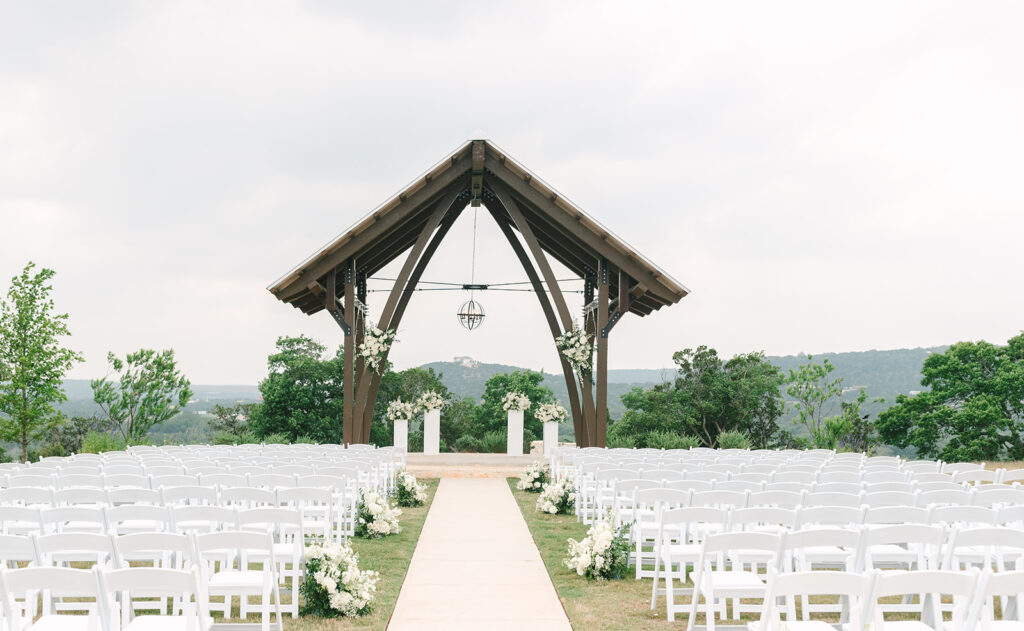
(823, 176)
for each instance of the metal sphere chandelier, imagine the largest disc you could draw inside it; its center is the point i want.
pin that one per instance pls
(471, 314)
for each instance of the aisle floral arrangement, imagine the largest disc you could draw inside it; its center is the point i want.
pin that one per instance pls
(375, 516)
(603, 554)
(430, 400)
(515, 400)
(399, 410)
(532, 480)
(551, 412)
(375, 346)
(575, 346)
(408, 491)
(333, 585)
(557, 497)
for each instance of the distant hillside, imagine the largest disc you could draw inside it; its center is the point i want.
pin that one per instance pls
(80, 401)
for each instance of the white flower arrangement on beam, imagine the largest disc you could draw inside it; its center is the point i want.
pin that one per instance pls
(431, 400)
(515, 400)
(578, 350)
(375, 346)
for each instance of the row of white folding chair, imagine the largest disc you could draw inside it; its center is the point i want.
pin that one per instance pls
(281, 527)
(321, 516)
(223, 561)
(254, 476)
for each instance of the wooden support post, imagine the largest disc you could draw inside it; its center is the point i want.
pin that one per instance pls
(348, 429)
(601, 422)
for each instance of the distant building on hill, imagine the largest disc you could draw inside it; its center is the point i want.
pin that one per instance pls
(466, 362)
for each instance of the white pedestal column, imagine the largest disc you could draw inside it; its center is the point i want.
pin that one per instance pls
(402, 434)
(432, 432)
(550, 438)
(515, 432)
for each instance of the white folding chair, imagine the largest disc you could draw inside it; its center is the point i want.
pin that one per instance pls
(677, 546)
(852, 592)
(648, 506)
(728, 569)
(286, 527)
(317, 508)
(192, 495)
(1008, 587)
(829, 548)
(223, 557)
(131, 518)
(929, 587)
(199, 519)
(21, 590)
(73, 519)
(136, 588)
(20, 520)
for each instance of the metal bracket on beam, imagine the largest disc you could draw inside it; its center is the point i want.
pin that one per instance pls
(341, 321)
(615, 317)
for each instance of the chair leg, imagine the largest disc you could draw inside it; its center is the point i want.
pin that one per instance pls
(670, 605)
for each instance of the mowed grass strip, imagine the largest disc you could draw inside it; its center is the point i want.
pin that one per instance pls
(590, 605)
(391, 557)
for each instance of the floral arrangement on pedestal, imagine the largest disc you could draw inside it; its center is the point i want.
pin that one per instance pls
(333, 585)
(399, 410)
(577, 349)
(551, 413)
(602, 554)
(375, 346)
(430, 400)
(557, 497)
(408, 491)
(515, 400)
(375, 516)
(532, 480)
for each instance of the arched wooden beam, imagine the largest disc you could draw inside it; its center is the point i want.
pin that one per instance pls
(586, 391)
(454, 210)
(579, 425)
(363, 390)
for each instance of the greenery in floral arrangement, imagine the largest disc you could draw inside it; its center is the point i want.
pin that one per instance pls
(578, 350)
(375, 347)
(533, 479)
(551, 412)
(557, 497)
(408, 491)
(603, 554)
(515, 400)
(375, 516)
(333, 585)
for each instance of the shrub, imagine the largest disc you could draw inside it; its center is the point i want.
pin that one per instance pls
(306, 440)
(528, 438)
(276, 439)
(468, 444)
(97, 442)
(494, 442)
(733, 440)
(621, 441)
(668, 440)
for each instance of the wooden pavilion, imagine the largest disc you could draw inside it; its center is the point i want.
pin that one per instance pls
(617, 279)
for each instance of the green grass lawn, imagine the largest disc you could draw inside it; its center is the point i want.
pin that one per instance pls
(390, 556)
(591, 605)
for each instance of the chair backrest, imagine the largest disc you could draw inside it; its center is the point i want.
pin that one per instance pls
(178, 479)
(1004, 584)
(993, 546)
(976, 476)
(964, 516)
(664, 475)
(199, 518)
(762, 518)
(20, 519)
(131, 495)
(188, 495)
(697, 486)
(891, 498)
(272, 480)
(74, 546)
(15, 549)
(853, 589)
(932, 585)
(58, 582)
(212, 548)
(738, 486)
(80, 496)
(79, 480)
(247, 497)
(126, 479)
(838, 487)
(832, 499)
(138, 517)
(840, 477)
(73, 519)
(1012, 475)
(991, 494)
(897, 515)
(224, 479)
(741, 545)
(957, 467)
(27, 495)
(162, 470)
(726, 499)
(29, 479)
(148, 582)
(155, 547)
(926, 541)
(782, 499)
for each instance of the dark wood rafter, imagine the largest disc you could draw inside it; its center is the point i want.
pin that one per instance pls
(363, 403)
(579, 424)
(619, 280)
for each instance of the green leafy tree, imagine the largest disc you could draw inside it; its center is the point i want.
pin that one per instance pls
(66, 437)
(755, 398)
(707, 390)
(148, 390)
(490, 416)
(303, 394)
(815, 395)
(33, 361)
(232, 419)
(973, 410)
(661, 408)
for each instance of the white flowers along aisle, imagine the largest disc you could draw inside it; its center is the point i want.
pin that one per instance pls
(375, 516)
(408, 490)
(515, 403)
(551, 414)
(375, 346)
(431, 403)
(533, 479)
(558, 497)
(333, 584)
(400, 413)
(602, 554)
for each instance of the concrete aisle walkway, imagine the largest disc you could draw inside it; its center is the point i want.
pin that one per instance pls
(476, 566)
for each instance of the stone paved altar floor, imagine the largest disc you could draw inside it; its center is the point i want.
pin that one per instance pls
(476, 566)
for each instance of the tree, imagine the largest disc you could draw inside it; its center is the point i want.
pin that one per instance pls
(33, 361)
(491, 416)
(303, 394)
(148, 390)
(973, 410)
(755, 399)
(232, 419)
(406, 385)
(660, 409)
(813, 392)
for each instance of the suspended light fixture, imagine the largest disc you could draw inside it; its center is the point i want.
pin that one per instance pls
(471, 313)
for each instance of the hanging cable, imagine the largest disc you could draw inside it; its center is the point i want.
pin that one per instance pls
(472, 265)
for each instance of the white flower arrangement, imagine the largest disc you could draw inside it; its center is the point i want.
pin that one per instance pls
(333, 585)
(602, 554)
(399, 410)
(375, 516)
(557, 497)
(577, 349)
(408, 490)
(551, 413)
(375, 346)
(533, 478)
(515, 400)
(431, 400)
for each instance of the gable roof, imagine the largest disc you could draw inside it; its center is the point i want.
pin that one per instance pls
(475, 169)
